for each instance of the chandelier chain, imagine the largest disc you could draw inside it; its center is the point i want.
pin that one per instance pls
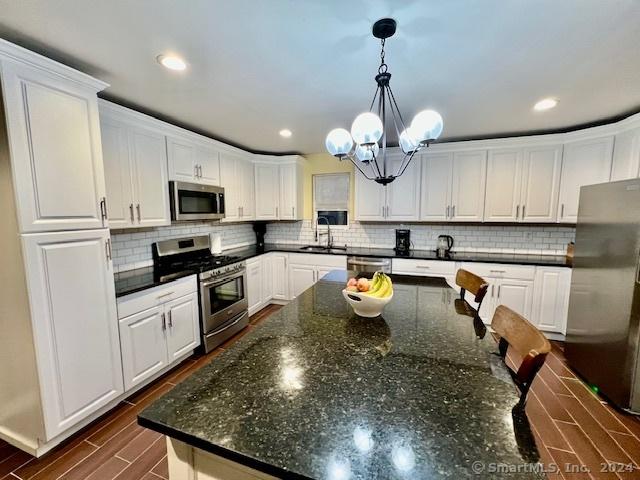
(383, 66)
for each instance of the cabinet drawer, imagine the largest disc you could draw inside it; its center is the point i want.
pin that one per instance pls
(338, 261)
(498, 270)
(139, 301)
(409, 266)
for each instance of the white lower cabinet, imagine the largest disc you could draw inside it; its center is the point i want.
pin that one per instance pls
(551, 299)
(254, 284)
(279, 276)
(158, 327)
(306, 269)
(301, 277)
(515, 294)
(70, 282)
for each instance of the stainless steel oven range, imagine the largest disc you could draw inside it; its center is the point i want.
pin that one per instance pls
(222, 285)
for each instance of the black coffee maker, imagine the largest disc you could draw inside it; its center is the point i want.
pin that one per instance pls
(261, 229)
(403, 242)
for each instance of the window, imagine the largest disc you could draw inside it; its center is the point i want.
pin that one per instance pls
(331, 197)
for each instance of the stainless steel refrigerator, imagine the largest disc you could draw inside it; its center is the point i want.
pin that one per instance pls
(604, 307)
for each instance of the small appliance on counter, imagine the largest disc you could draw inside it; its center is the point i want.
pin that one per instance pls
(403, 241)
(261, 229)
(445, 244)
(215, 240)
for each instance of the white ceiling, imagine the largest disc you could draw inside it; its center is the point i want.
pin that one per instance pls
(257, 66)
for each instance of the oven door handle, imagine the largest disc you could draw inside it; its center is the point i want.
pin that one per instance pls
(219, 281)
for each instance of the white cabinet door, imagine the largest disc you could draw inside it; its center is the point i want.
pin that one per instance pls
(301, 277)
(488, 306)
(207, 163)
(56, 153)
(181, 159)
(75, 327)
(322, 271)
(370, 199)
(267, 278)
(403, 194)
(232, 185)
(467, 194)
(435, 192)
(504, 179)
(182, 326)
(626, 155)
(290, 192)
(280, 276)
(248, 189)
(585, 162)
(254, 285)
(551, 299)
(151, 191)
(515, 294)
(267, 191)
(117, 173)
(540, 184)
(143, 345)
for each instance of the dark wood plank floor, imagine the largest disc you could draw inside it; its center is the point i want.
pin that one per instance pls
(571, 425)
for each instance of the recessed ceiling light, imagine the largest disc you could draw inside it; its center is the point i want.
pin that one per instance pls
(171, 62)
(545, 104)
(285, 132)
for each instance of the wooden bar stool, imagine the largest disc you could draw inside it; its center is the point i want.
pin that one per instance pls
(529, 342)
(472, 283)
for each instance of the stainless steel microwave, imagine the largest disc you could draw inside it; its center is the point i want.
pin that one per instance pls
(192, 201)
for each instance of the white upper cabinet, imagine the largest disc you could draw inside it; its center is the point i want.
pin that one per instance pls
(467, 193)
(135, 160)
(54, 137)
(585, 162)
(370, 199)
(435, 195)
(267, 191)
(540, 184)
(291, 190)
(626, 155)
(75, 327)
(193, 160)
(237, 179)
(403, 194)
(504, 180)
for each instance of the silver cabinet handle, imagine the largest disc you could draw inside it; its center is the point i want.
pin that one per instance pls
(492, 288)
(497, 271)
(164, 322)
(499, 290)
(131, 213)
(423, 266)
(276, 212)
(369, 264)
(138, 209)
(517, 212)
(107, 249)
(195, 171)
(239, 212)
(453, 211)
(200, 170)
(164, 295)
(562, 211)
(447, 211)
(103, 209)
(170, 319)
(242, 211)
(293, 212)
(523, 207)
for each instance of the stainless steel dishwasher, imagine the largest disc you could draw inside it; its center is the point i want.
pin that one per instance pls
(369, 264)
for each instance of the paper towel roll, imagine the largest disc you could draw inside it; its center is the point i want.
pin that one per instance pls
(215, 243)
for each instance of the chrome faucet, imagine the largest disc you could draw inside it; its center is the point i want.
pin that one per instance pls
(328, 234)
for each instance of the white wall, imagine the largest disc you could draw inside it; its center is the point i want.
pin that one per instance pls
(482, 238)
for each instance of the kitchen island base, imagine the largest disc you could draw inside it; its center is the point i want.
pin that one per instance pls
(190, 463)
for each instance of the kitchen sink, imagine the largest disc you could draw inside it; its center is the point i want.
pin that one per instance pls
(322, 248)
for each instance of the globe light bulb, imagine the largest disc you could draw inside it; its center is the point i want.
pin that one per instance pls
(407, 140)
(338, 142)
(366, 128)
(365, 153)
(426, 126)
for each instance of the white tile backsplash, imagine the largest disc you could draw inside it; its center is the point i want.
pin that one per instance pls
(132, 247)
(526, 239)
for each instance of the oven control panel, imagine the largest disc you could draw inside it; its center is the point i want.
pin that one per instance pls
(223, 271)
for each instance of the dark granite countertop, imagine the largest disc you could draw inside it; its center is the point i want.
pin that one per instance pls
(132, 281)
(135, 280)
(542, 260)
(316, 392)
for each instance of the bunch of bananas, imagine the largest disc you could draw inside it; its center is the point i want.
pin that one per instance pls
(381, 286)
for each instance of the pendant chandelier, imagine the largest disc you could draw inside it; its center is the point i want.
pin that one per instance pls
(366, 144)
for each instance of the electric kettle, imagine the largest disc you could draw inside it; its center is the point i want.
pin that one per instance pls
(445, 244)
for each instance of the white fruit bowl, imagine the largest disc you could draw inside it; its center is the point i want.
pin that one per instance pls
(366, 305)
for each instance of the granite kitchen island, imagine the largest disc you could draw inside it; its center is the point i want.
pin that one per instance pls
(316, 392)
